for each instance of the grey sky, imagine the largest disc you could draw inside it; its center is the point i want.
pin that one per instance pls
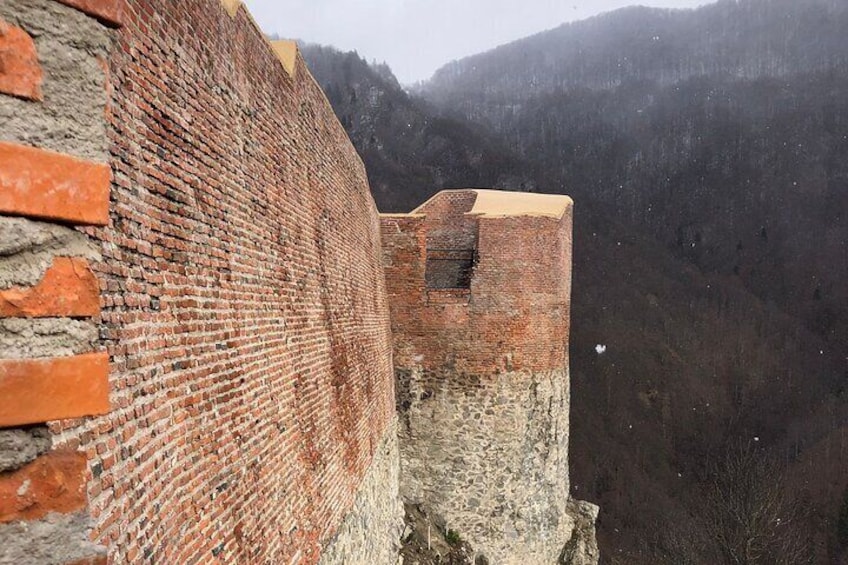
(416, 37)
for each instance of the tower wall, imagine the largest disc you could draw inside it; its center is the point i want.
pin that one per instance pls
(482, 371)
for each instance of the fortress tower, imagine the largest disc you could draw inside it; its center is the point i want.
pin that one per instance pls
(479, 286)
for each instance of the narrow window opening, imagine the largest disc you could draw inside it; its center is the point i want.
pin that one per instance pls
(450, 268)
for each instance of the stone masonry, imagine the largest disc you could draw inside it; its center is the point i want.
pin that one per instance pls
(54, 175)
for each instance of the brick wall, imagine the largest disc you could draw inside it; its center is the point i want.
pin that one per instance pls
(515, 316)
(242, 314)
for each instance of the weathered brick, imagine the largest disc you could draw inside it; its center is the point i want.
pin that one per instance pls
(514, 315)
(110, 12)
(40, 390)
(98, 560)
(243, 301)
(55, 482)
(20, 73)
(68, 289)
(48, 185)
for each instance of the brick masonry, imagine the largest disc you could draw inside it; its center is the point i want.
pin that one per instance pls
(230, 276)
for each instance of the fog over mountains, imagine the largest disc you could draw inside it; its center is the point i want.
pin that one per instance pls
(707, 153)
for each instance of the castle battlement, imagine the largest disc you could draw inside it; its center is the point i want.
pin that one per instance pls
(480, 281)
(195, 345)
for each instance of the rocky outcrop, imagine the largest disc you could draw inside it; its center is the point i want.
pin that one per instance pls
(582, 548)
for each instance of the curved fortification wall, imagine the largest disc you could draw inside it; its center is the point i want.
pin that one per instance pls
(481, 361)
(221, 383)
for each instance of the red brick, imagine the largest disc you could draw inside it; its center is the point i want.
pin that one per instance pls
(44, 184)
(41, 390)
(68, 289)
(110, 12)
(514, 315)
(52, 483)
(99, 560)
(243, 301)
(20, 73)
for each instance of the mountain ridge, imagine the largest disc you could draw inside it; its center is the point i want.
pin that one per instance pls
(708, 214)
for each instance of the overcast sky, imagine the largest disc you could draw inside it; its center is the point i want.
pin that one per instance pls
(416, 37)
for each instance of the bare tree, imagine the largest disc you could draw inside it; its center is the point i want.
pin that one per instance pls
(751, 516)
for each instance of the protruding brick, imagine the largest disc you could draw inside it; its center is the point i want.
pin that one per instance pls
(52, 483)
(44, 184)
(20, 73)
(98, 560)
(42, 390)
(110, 12)
(68, 290)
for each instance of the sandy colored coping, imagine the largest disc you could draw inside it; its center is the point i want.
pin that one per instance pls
(505, 204)
(285, 50)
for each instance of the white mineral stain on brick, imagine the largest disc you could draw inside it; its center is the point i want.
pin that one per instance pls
(24, 488)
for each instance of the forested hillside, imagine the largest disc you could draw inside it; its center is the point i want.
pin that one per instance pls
(723, 131)
(707, 152)
(407, 149)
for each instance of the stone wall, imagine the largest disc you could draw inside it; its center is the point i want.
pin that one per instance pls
(227, 306)
(490, 455)
(483, 387)
(54, 175)
(371, 532)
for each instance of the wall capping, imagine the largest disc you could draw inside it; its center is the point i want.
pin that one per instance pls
(231, 6)
(286, 51)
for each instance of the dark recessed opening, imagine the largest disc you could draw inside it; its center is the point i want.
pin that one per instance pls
(449, 268)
